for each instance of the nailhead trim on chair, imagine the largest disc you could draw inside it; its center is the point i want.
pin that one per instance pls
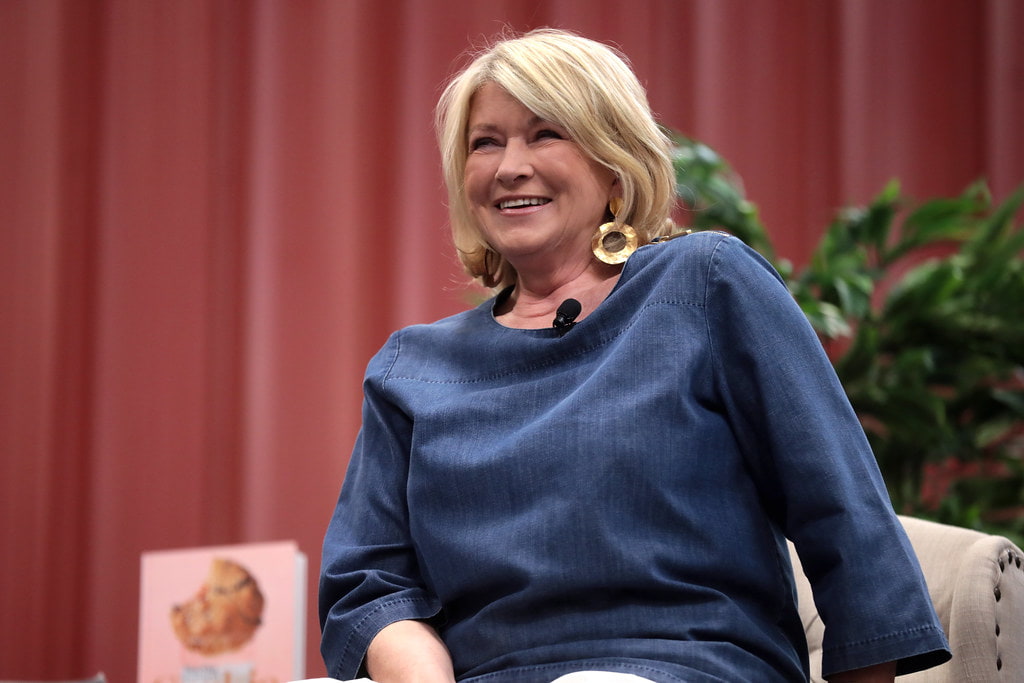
(1012, 559)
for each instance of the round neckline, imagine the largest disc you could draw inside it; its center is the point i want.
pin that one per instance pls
(550, 331)
(500, 299)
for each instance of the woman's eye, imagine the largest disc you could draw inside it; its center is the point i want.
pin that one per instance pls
(548, 133)
(478, 143)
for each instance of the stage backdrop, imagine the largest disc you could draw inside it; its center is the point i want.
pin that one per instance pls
(214, 211)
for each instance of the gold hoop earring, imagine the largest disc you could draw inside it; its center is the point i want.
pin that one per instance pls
(491, 260)
(613, 242)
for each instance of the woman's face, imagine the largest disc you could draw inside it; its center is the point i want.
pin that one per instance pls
(533, 191)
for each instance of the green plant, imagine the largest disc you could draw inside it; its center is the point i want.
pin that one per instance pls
(922, 311)
(713, 194)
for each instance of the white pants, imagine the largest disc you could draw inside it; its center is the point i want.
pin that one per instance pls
(575, 677)
(600, 677)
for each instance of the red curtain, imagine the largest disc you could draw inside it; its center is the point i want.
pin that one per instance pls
(214, 212)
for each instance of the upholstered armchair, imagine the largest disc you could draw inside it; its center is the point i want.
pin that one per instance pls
(977, 584)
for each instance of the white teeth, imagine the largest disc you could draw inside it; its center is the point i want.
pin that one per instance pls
(516, 203)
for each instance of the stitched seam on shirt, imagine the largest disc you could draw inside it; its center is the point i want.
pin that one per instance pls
(715, 360)
(357, 629)
(585, 662)
(394, 358)
(554, 361)
(876, 639)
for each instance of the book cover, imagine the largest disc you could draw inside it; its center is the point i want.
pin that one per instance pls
(225, 614)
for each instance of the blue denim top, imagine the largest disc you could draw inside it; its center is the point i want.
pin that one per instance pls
(619, 498)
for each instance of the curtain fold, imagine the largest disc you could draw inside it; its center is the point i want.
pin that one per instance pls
(216, 211)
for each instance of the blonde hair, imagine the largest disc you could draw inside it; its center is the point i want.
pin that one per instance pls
(588, 89)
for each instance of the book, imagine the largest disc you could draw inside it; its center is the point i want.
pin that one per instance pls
(223, 614)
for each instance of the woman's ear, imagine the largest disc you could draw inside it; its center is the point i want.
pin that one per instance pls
(615, 192)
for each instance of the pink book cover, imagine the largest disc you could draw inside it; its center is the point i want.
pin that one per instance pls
(227, 614)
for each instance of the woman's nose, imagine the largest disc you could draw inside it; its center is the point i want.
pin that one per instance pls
(516, 163)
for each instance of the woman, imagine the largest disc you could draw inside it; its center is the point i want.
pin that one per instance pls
(537, 491)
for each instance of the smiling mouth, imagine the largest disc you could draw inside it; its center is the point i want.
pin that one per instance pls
(519, 203)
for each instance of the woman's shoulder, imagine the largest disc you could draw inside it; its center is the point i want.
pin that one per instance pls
(703, 245)
(685, 257)
(702, 255)
(422, 343)
(473, 320)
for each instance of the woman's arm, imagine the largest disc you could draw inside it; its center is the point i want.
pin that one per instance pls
(409, 652)
(369, 573)
(879, 673)
(815, 470)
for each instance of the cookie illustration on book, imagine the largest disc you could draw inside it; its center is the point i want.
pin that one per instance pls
(224, 614)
